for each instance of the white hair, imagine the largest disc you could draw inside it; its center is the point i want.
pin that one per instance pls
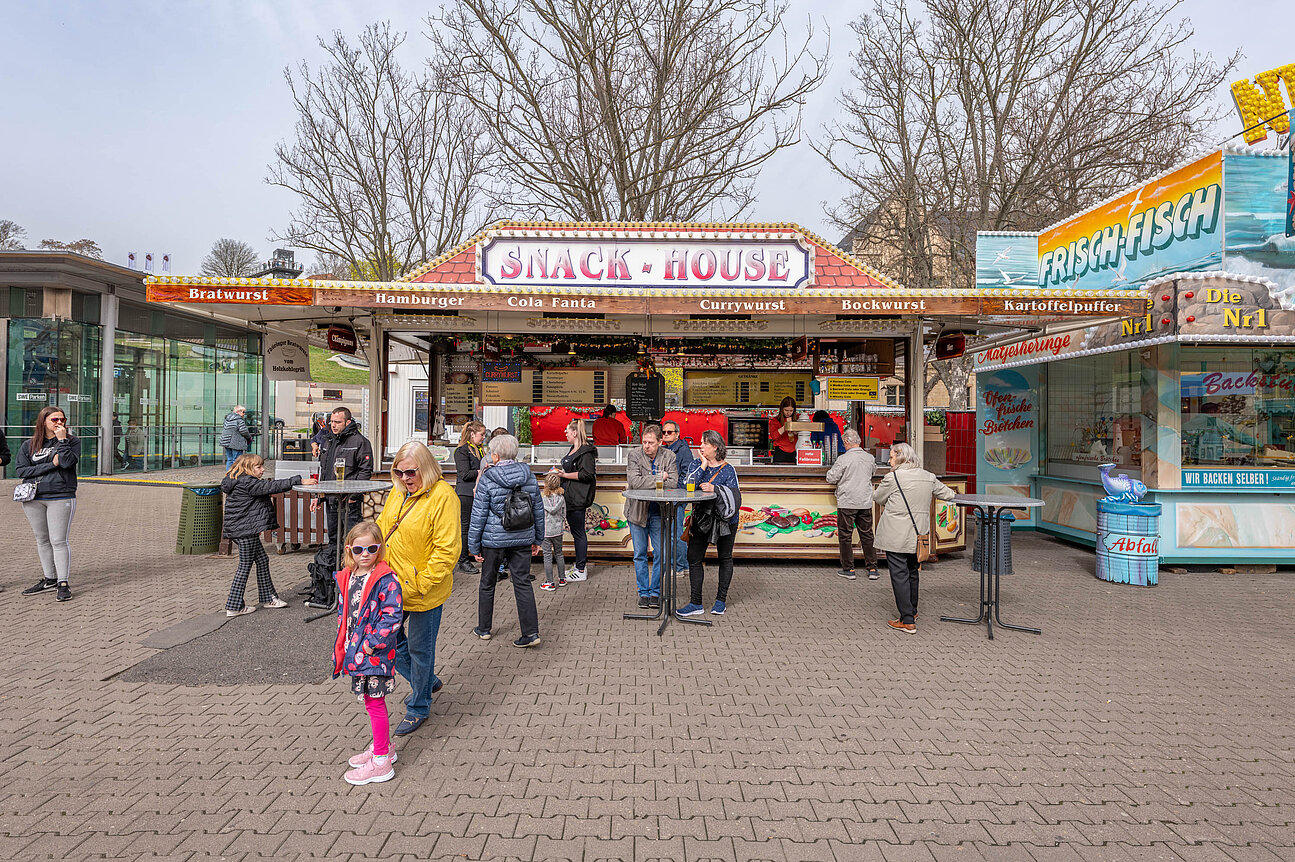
(849, 435)
(903, 455)
(505, 446)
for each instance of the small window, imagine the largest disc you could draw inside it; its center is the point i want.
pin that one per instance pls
(331, 395)
(421, 413)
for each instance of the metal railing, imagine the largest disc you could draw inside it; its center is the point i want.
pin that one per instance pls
(149, 448)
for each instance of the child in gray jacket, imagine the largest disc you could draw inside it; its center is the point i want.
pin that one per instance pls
(555, 519)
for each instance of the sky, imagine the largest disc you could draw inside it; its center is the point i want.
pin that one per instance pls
(149, 126)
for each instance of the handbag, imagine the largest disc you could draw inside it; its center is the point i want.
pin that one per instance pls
(24, 492)
(687, 529)
(923, 539)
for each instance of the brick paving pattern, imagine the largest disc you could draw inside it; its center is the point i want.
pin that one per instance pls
(1143, 723)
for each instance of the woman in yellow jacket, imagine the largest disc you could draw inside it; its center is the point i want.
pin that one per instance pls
(421, 524)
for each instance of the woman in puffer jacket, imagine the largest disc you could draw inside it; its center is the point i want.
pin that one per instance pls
(249, 512)
(491, 542)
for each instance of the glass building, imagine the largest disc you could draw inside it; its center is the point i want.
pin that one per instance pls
(145, 387)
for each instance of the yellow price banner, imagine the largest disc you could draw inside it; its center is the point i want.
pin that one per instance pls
(853, 388)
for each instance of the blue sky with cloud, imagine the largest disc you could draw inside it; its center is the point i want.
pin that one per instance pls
(148, 126)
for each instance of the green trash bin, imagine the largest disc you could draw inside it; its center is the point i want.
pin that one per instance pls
(200, 519)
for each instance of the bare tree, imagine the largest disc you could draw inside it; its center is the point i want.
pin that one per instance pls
(630, 110)
(1006, 115)
(87, 247)
(387, 164)
(11, 235)
(230, 258)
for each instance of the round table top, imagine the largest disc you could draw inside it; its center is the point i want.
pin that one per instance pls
(997, 501)
(668, 495)
(347, 486)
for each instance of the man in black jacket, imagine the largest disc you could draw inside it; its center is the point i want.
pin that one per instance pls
(348, 449)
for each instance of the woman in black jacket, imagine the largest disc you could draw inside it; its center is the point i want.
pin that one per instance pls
(579, 484)
(48, 459)
(249, 511)
(467, 466)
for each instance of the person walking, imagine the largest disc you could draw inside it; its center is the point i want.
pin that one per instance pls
(136, 445)
(249, 512)
(236, 436)
(852, 475)
(713, 522)
(672, 439)
(420, 525)
(349, 453)
(467, 465)
(320, 433)
(782, 440)
(579, 475)
(555, 521)
(46, 463)
(650, 466)
(504, 529)
(906, 495)
(367, 622)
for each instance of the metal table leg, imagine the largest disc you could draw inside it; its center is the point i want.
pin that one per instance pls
(984, 584)
(998, 592)
(337, 555)
(667, 526)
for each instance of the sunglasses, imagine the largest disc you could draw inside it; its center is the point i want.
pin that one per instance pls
(364, 549)
(405, 474)
(61, 420)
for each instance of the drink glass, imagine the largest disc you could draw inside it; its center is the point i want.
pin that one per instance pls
(692, 486)
(315, 476)
(660, 483)
(339, 470)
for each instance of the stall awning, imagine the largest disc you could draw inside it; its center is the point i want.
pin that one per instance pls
(651, 269)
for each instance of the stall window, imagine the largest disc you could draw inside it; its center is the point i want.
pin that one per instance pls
(1093, 413)
(420, 410)
(1238, 407)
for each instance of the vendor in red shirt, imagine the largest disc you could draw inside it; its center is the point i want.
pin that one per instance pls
(782, 442)
(608, 431)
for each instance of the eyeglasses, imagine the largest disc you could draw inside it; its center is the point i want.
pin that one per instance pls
(61, 420)
(405, 474)
(364, 549)
(667, 432)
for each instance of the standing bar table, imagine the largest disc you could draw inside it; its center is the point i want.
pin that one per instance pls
(992, 508)
(669, 500)
(343, 489)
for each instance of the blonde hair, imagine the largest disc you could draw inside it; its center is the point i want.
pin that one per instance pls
(244, 465)
(465, 436)
(578, 426)
(552, 484)
(364, 528)
(428, 470)
(904, 454)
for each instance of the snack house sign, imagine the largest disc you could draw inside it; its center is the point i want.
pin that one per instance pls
(772, 262)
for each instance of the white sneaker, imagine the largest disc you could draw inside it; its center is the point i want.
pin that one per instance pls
(576, 575)
(276, 602)
(247, 609)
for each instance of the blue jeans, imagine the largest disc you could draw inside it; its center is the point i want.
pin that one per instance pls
(416, 658)
(640, 536)
(231, 455)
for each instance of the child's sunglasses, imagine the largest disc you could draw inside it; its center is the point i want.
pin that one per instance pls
(364, 549)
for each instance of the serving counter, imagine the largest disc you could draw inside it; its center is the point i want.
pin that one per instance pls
(788, 512)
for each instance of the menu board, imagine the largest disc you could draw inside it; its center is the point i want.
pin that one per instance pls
(644, 397)
(513, 384)
(459, 399)
(854, 388)
(744, 388)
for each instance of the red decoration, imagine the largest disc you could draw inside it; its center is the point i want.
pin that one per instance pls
(1165, 297)
(1191, 318)
(1165, 321)
(1189, 294)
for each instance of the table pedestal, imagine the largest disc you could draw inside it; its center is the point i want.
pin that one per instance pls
(989, 577)
(342, 505)
(668, 547)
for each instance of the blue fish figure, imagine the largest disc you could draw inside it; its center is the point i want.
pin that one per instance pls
(1122, 488)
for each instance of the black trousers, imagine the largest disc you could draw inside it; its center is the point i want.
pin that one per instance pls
(903, 578)
(465, 518)
(846, 522)
(518, 562)
(781, 457)
(576, 524)
(697, 546)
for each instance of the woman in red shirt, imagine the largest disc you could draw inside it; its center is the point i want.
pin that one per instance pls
(783, 442)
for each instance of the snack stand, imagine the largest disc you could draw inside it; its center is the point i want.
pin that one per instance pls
(557, 320)
(1194, 396)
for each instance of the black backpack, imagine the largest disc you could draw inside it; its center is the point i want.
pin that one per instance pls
(518, 511)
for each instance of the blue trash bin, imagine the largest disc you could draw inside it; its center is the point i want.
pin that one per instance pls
(1128, 542)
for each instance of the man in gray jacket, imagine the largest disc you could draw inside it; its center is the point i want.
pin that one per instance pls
(647, 465)
(852, 476)
(235, 436)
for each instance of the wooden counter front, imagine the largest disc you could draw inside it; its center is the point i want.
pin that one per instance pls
(788, 512)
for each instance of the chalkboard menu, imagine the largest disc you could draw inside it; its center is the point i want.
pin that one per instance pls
(644, 397)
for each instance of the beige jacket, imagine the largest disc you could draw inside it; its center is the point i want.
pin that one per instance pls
(639, 476)
(852, 476)
(894, 528)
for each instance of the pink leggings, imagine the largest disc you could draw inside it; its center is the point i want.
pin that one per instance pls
(377, 709)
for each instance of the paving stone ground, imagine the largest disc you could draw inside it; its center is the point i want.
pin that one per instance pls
(1143, 723)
